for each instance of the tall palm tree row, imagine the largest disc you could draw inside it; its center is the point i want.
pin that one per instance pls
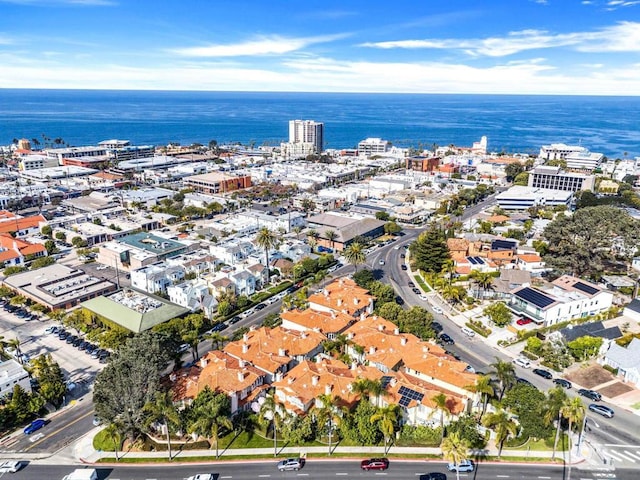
(440, 401)
(506, 374)
(574, 411)
(484, 387)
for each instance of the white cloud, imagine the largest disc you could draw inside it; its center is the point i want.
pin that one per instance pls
(271, 45)
(623, 37)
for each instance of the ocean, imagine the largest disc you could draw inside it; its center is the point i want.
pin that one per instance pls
(512, 123)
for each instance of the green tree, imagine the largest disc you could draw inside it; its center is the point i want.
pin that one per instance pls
(503, 425)
(574, 412)
(513, 170)
(484, 387)
(429, 252)
(384, 216)
(522, 179)
(483, 280)
(272, 412)
(584, 347)
(162, 410)
(211, 416)
(455, 449)
(355, 255)
(441, 404)
(113, 431)
(50, 378)
(51, 247)
(392, 228)
(387, 420)
(130, 381)
(556, 400)
(363, 278)
(505, 373)
(267, 240)
(528, 403)
(42, 262)
(61, 236)
(46, 231)
(499, 314)
(331, 235)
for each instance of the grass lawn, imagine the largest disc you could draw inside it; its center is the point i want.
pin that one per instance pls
(255, 440)
(104, 442)
(420, 282)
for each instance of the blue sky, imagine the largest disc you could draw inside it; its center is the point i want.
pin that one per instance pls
(402, 46)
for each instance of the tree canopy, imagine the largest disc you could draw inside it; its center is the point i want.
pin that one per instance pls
(429, 252)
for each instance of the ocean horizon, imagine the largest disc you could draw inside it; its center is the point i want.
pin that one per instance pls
(512, 123)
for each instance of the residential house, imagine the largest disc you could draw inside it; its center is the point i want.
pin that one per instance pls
(330, 324)
(15, 251)
(509, 280)
(222, 373)
(260, 273)
(220, 286)
(232, 252)
(343, 295)
(244, 282)
(276, 350)
(12, 374)
(626, 360)
(194, 295)
(530, 262)
(632, 310)
(18, 225)
(305, 384)
(156, 278)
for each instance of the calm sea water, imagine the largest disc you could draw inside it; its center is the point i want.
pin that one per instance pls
(513, 123)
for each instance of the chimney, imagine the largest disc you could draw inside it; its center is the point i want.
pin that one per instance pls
(354, 365)
(339, 302)
(327, 389)
(282, 352)
(396, 331)
(203, 362)
(372, 350)
(362, 316)
(245, 337)
(290, 380)
(173, 377)
(403, 341)
(425, 349)
(303, 335)
(393, 382)
(245, 348)
(356, 300)
(350, 335)
(341, 282)
(381, 328)
(278, 376)
(242, 363)
(314, 380)
(325, 292)
(240, 376)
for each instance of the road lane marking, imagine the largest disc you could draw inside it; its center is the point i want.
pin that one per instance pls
(632, 455)
(616, 456)
(502, 476)
(339, 474)
(227, 476)
(621, 445)
(90, 412)
(544, 478)
(264, 476)
(303, 474)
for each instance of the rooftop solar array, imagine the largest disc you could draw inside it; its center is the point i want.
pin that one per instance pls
(503, 245)
(475, 260)
(408, 395)
(588, 289)
(535, 297)
(384, 381)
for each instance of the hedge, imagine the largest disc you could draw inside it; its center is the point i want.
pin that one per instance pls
(481, 329)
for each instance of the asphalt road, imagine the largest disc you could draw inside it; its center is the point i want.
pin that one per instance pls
(324, 469)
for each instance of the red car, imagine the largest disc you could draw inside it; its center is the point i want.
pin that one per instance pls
(375, 464)
(524, 321)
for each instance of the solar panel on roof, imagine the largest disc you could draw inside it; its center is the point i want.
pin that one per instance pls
(404, 401)
(384, 381)
(539, 299)
(502, 245)
(472, 260)
(588, 289)
(411, 394)
(479, 260)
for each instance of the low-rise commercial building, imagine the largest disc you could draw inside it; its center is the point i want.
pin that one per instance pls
(12, 374)
(519, 197)
(215, 183)
(554, 178)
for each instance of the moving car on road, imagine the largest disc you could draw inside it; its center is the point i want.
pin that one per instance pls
(463, 466)
(11, 466)
(374, 464)
(433, 476)
(290, 464)
(563, 383)
(590, 394)
(34, 426)
(202, 476)
(602, 410)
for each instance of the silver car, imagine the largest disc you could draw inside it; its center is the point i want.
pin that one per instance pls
(290, 464)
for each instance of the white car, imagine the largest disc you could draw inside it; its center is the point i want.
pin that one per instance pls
(463, 466)
(11, 466)
(468, 332)
(102, 267)
(423, 296)
(523, 362)
(397, 247)
(202, 476)
(437, 309)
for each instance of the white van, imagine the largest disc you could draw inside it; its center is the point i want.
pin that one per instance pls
(468, 332)
(522, 362)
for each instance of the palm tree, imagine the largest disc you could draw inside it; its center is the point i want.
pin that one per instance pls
(448, 269)
(113, 431)
(485, 389)
(217, 339)
(556, 399)
(506, 374)
(483, 280)
(18, 300)
(455, 449)
(573, 410)
(272, 408)
(503, 425)
(331, 235)
(328, 413)
(209, 422)
(266, 239)
(388, 418)
(452, 293)
(441, 404)
(15, 344)
(162, 410)
(354, 254)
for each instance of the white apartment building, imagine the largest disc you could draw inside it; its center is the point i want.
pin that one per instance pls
(156, 278)
(373, 146)
(75, 152)
(519, 197)
(559, 151)
(193, 295)
(35, 162)
(276, 223)
(12, 374)
(556, 179)
(567, 298)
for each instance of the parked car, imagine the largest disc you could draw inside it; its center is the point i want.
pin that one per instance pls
(34, 426)
(260, 306)
(468, 332)
(62, 335)
(51, 329)
(83, 345)
(290, 464)
(71, 338)
(522, 362)
(433, 476)
(183, 348)
(543, 373)
(411, 284)
(602, 410)
(416, 290)
(234, 320)
(437, 309)
(524, 381)
(590, 394)
(463, 466)
(446, 339)
(203, 476)
(403, 267)
(77, 342)
(563, 383)
(89, 349)
(436, 327)
(524, 321)
(381, 262)
(374, 464)
(97, 421)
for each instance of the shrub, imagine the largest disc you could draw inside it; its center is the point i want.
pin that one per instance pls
(611, 369)
(479, 328)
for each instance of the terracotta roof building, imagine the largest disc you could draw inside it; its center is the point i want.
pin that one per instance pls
(345, 296)
(330, 324)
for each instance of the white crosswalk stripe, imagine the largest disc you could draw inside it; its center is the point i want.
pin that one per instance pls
(632, 455)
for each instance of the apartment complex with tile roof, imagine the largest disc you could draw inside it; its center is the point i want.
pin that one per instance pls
(13, 251)
(302, 386)
(343, 295)
(20, 226)
(276, 350)
(330, 324)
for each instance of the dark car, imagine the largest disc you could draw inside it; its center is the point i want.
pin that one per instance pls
(260, 306)
(543, 373)
(34, 426)
(234, 320)
(71, 338)
(77, 342)
(436, 327)
(590, 394)
(411, 284)
(433, 476)
(402, 255)
(63, 335)
(563, 383)
(446, 339)
(524, 381)
(90, 348)
(374, 464)
(403, 267)
(83, 345)
(416, 290)
(452, 354)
